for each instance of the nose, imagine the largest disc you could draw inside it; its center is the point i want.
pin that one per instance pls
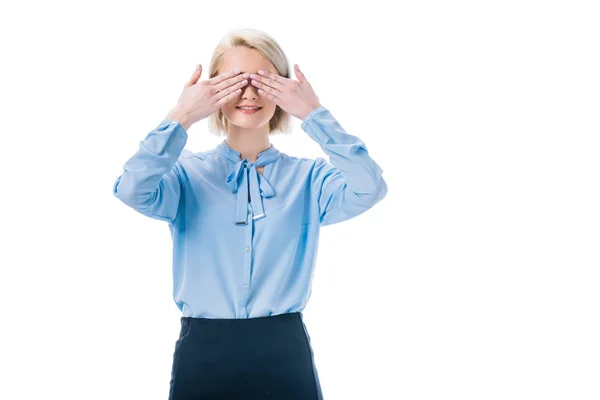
(248, 86)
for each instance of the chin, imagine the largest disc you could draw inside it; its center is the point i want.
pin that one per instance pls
(247, 125)
(249, 121)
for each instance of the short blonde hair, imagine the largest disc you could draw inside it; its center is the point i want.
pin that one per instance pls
(270, 49)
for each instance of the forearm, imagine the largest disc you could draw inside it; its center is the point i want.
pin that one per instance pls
(153, 162)
(346, 152)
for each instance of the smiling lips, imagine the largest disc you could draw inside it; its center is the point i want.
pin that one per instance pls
(249, 109)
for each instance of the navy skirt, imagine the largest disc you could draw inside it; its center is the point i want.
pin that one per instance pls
(252, 358)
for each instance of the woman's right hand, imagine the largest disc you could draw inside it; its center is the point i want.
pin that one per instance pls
(200, 99)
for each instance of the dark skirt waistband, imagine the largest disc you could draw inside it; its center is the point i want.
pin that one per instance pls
(259, 329)
(244, 321)
(262, 357)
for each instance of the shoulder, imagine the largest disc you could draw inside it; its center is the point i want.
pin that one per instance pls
(300, 162)
(201, 155)
(188, 160)
(314, 168)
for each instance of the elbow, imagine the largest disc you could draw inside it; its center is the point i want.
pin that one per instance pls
(117, 188)
(382, 190)
(141, 202)
(378, 189)
(378, 192)
(122, 191)
(372, 197)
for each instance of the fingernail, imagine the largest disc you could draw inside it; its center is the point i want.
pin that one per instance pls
(197, 67)
(236, 71)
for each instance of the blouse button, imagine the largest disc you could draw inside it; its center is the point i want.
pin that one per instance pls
(245, 286)
(247, 249)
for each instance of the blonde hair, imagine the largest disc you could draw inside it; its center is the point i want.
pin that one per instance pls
(268, 47)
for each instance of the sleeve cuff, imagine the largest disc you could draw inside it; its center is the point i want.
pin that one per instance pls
(318, 125)
(173, 124)
(313, 113)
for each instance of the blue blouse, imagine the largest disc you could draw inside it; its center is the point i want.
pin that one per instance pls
(245, 243)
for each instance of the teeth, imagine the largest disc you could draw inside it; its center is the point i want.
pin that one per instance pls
(248, 108)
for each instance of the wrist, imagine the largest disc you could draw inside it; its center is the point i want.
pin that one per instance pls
(179, 116)
(311, 110)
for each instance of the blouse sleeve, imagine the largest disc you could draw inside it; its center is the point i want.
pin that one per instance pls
(351, 182)
(150, 182)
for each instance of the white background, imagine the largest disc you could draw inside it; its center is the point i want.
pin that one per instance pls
(475, 278)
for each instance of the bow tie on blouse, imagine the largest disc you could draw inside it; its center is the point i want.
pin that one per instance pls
(243, 178)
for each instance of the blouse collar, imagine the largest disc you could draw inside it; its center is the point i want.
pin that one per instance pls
(244, 177)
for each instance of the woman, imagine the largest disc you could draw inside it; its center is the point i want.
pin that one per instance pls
(244, 219)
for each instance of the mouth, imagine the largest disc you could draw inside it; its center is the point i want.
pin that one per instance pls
(249, 110)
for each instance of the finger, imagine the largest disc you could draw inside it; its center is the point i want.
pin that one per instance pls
(237, 87)
(275, 77)
(266, 88)
(231, 81)
(195, 76)
(221, 77)
(227, 98)
(271, 79)
(299, 74)
(270, 96)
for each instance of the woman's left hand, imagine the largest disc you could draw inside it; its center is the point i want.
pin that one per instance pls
(294, 97)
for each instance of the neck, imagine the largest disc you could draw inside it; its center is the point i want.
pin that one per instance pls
(249, 142)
